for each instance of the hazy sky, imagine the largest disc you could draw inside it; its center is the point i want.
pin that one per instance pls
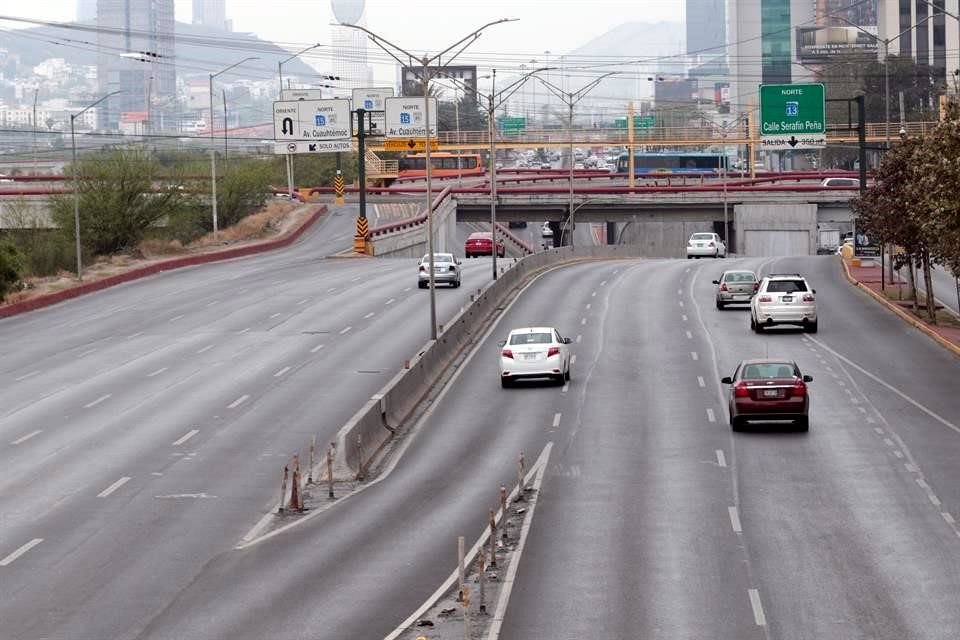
(544, 25)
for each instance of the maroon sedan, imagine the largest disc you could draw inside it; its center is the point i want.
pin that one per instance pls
(481, 244)
(768, 390)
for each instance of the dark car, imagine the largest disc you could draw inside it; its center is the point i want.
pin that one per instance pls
(768, 390)
(481, 244)
(517, 224)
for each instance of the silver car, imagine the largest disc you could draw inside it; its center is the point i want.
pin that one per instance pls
(446, 269)
(736, 286)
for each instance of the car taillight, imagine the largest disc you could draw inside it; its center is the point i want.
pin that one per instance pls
(689, 243)
(799, 389)
(766, 299)
(756, 287)
(507, 353)
(808, 298)
(740, 390)
(422, 268)
(723, 287)
(553, 351)
(711, 244)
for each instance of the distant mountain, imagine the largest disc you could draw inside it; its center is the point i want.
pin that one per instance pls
(199, 48)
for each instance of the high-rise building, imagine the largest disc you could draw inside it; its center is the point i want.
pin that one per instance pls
(146, 76)
(706, 22)
(211, 13)
(86, 10)
(349, 46)
(927, 34)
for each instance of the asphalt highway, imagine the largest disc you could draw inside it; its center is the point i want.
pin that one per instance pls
(655, 521)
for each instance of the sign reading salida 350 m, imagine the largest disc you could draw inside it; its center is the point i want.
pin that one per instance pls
(792, 116)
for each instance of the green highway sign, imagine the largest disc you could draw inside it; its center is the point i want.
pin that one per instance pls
(512, 126)
(792, 116)
(639, 122)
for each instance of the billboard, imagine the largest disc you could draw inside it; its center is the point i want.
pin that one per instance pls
(819, 44)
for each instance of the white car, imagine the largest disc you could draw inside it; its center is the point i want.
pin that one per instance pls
(784, 299)
(546, 231)
(706, 245)
(446, 269)
(534, 352)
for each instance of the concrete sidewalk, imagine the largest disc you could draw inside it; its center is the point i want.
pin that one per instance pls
(868, 277)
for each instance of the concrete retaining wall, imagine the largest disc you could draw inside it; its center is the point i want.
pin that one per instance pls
(412, 242)
(773, 228)
(376, 422)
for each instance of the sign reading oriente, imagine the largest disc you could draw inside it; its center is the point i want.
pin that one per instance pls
(792, 116)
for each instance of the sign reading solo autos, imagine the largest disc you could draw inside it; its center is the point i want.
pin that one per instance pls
(406, 117)
(311, 120)
(792, 116)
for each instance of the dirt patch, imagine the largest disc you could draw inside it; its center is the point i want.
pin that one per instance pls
(274, 220)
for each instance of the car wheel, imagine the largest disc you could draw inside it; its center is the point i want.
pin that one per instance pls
(736, 423)
(422, 285)
(803, 424)
(757, 327)
(566, 376)
(720, 305)
(811, 328)
(506, 382)
(689, 257)
(456, 285)
(753, 325)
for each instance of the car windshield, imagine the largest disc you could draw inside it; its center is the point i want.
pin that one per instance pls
(739, 276)
(786, 286)
(767, 370)
(703, 236)
(530, 338)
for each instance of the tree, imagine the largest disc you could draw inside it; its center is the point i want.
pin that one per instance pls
(11, 267)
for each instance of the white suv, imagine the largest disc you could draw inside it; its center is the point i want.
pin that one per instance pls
(784, 299)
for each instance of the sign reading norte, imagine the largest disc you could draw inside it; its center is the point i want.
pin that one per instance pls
(792, 116)
(406, 117)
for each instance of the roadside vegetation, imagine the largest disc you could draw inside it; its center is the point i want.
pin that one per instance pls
(914, 204)
(137, 201)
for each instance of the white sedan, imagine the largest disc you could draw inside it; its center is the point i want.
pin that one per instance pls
(708, 245)
(546, 231)
(534, 352)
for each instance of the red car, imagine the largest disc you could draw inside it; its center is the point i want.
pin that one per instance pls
(768, 390)
(481, 244)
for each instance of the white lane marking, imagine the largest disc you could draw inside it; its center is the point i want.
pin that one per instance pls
(556, 420)
(157, 372)
(681, 303)
(711, 416)
(276, 282)
(603, 282)
(566, 387)
(871, 420)
(240, 333)
(210, 304)
(316, 348)
(579, 338)
(583, 321)
(922, 484)
(687, 270)
(175, 318)
(588, 306)
(573, 358)
(721, 458)
(345, 330)
(19, 552)
(390, 301)
(910, 467)
(354, 279)
(693, 354)
(758, 616)
(239, 401)
(136, 335)
(86, 353)
(855, 400)
(189, 434)
(701, 381)
(684, 316)
(862, 409)
(369, 315)
(205, 349)
(331, 289)
(889, 386)
(26, 375)
(735, 519)
(26, 437)
(281, 372)
(934, 499)
(947, 517)
(276, 315)
(116, 485)
(97, 401)
(878, 431)
(593, 295)
(841, 383)
(888, 442)
(689, 336)
(408, 289)
(898, 454)
(304, 301)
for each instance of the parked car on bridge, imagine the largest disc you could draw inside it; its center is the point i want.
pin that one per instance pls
(841, 182)
(546, 231)
(707, 245)
(534, 352)
(446, 269)
(736, 286)
(480, 243)
(768, 390)
(784, 299)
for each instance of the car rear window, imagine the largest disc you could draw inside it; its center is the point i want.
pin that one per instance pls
(739, 277)
(531, 338)
(438, 257)
(480, 236)
(786, 286)
(703, 236)
(767, 370)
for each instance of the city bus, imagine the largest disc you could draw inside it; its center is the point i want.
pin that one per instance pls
(672, 162)
(443, 164)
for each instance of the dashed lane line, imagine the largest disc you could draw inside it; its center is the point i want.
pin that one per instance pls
(369, 315)
(19, 552)
(758, 616)
(583, 321)
(276, 315)
(556, 420)
(175, 318)
(316, 348)
(97, 401)
(135, 335)
(693, 354)
(26, 437)
(116, 485)
(573, 358)
(579, 338)
(189, 434)
(701, 382)
(735, 519)
(240, 333)
(205, 349)
(390, 301)
(721, 458)
(689, 336)
(303, 302)
(157, 372)
(239, 401)
(26, 375)
(280, 373)
(711, 416)
(345, 330)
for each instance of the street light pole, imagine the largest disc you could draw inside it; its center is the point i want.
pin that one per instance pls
(425, 63)
(76, 180)
(213, 152)
(36, 92)
(285, 60)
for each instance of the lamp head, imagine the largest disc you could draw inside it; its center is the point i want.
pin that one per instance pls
(903, 132)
